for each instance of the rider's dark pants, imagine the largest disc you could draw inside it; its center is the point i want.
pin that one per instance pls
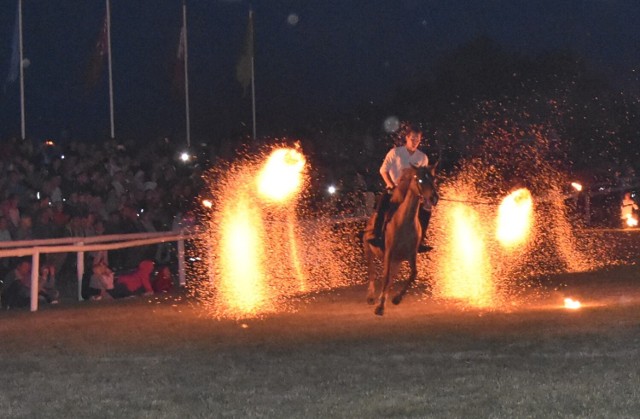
(383, 206)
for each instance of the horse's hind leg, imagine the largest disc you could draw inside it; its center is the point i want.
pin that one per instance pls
(371, 271)
(414, 273)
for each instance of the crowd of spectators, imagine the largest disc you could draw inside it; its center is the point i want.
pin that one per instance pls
(79, 189)
(50, 190)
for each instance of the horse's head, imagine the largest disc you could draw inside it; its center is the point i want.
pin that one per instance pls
(425, 184)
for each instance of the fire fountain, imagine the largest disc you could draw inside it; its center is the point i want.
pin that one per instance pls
(264, 251)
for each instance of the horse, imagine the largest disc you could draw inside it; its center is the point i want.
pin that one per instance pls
(402, 234)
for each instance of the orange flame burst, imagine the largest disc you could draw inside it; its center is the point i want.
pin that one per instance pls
(515, 219)
(280, 178)
(467, 265)
(631, 221)
(242, 258)
(257, 260)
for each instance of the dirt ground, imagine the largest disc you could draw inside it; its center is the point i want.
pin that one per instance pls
(160, 357)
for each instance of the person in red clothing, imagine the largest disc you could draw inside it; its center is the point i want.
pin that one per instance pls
(135, 283)
(163, 281)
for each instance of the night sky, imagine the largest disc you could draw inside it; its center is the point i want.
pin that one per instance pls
(313, 58)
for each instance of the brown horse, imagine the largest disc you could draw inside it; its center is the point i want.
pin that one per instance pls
(402, 233)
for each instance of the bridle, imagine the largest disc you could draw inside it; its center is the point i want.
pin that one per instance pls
(427, 177)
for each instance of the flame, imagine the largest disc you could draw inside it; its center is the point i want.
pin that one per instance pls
(467, 267)
(631, 221)
(242, 257)
(255, 257)
(281, 176)
(515, 219)
(571, 304)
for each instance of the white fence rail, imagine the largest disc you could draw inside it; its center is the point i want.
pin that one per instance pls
(80, 245)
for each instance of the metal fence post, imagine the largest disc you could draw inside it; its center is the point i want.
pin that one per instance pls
(181, 269)
(80, 268)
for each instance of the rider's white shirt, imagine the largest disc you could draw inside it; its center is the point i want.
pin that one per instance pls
(398, 158)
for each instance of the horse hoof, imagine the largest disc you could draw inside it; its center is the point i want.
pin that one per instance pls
(371, 301)
(379, 311)
(396, 300)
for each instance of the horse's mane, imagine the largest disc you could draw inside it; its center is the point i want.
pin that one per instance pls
(403, 185)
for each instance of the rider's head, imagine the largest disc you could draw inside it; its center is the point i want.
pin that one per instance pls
(412, 137)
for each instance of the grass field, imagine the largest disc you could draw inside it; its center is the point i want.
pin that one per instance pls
(160, 358)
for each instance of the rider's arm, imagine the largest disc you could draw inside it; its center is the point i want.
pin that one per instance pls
(387, 179)
(385, 168)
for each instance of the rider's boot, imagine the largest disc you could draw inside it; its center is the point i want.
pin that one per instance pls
(424, 216)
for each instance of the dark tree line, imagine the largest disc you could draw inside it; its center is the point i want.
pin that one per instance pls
(482, 94)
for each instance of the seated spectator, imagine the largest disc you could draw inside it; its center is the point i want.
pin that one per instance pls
(163, 281)
(14, 291)
(5, 234)
(135, 283)
(47, 284)
(25, 228)
(101, 282)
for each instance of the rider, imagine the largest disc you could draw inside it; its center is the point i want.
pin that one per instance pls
(397, 159)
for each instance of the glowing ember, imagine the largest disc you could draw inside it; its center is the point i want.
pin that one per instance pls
(571, 304)
(281, 177)
(631, 221)
(515, 219)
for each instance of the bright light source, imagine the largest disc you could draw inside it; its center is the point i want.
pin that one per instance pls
(576, 186)
(632, 221)
(331, 189)
(571, 304)
(207, 203)
(282, 175)
(49, 143)
(184, 156)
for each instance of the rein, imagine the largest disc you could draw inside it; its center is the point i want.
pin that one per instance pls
(469, 201)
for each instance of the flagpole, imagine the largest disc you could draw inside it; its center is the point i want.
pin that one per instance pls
(186, 73)
(253, 80)
(21, 66)
(110, 69)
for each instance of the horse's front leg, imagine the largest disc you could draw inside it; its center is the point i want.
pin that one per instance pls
(390, 269)
(414, 273)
